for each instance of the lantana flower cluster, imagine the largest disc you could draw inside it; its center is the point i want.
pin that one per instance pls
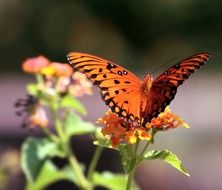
(122, 131)
(53, 79)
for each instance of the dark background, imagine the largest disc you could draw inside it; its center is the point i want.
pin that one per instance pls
(140, 35)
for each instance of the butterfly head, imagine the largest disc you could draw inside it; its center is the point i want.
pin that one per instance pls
(147, 83)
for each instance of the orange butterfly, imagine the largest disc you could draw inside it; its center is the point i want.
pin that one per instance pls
(127, 95)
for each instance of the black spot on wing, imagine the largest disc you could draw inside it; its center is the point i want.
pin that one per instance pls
(167, 82)
(185, 76)
(177, 66)
(87, 70)
(108, 101)
(116, 81)
(97, 82)
(191, 70)
(111, 66)
(93, 76)
(183, 70)
(125, 72)
(104, 88)
(120, 73)
(116, 91)
(180, 82)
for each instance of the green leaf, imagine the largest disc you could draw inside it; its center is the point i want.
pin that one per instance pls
(69, 101)
(34, 153)
(50, 174)
(32, 89)
(74, 125)
(111, 181)
(48, 148)
(30, 161)
(167, 157)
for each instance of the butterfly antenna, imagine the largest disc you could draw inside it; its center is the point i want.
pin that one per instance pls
(169, 61)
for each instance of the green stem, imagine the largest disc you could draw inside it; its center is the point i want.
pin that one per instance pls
(133, 165)
(83, 182)
(130, 179)
(136, 147)
(53, 137)
(94, 162)
(58, 124)
(147, 144)
(131, 150)
(39, 79)
(144, 150)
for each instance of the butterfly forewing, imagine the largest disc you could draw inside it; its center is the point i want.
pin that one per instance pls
(120, 89)
(165, 86)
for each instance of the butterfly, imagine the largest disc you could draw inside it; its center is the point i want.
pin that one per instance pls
(127, 95)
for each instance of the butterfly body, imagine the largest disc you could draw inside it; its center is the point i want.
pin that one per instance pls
(127, 95)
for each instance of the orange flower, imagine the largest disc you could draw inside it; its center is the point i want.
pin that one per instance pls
(112, 127)
(122, 131)
(57, 70)
(167, 120)
(35, 64)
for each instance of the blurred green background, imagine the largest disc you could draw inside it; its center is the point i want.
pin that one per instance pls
(140, 35)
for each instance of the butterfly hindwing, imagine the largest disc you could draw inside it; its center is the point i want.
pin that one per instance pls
(117, 85)
(165, 86)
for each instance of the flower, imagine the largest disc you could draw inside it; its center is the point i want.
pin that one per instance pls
(56, 69)
(80, 85)
(42, 65)
(167, 120)
(35, 115)
(77, 85)
(122, 131)
(35, 64)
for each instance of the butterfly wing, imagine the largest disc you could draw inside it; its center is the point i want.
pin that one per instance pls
(120, 89)
(165, 86)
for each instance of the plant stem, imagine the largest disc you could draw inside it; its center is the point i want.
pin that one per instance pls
(133, 164)
(58, 125)
(136, 147)
(94, 162)
(39, 79)
(53, 137)
(130, 179)
(144, 149)
(83, 182)
(147, 144)
(131, 150)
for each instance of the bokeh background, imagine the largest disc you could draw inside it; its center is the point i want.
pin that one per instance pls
(140, 35)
